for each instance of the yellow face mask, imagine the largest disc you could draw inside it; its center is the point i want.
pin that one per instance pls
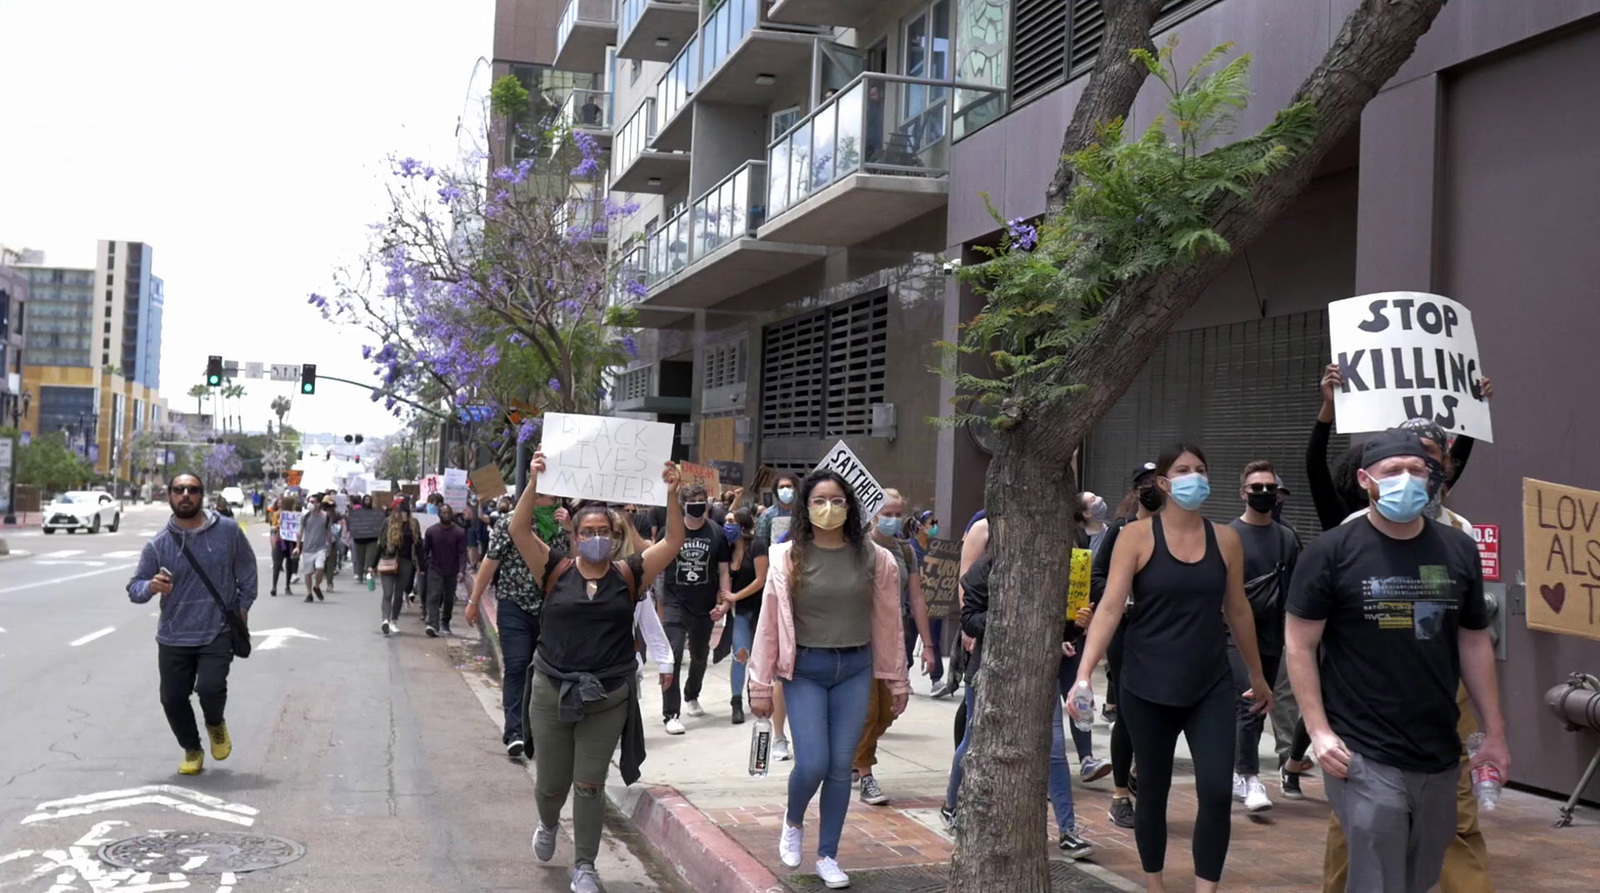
(828, 517)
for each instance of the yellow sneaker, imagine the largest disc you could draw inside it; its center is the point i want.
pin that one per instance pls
(221, 744)
(193, 762)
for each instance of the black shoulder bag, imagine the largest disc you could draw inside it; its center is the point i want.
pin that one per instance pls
(235, 622)
(1266, 592)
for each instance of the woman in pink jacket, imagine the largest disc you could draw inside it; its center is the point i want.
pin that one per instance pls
(830, 624)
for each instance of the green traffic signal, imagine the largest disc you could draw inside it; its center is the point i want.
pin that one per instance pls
(308, 378)
(213, 371)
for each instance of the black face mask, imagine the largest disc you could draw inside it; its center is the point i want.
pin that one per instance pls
(1262, 502)
(1152, 499)
(695, 509)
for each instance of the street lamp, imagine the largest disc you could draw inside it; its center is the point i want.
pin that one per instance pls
(19, 408)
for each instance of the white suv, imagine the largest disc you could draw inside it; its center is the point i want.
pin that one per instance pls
(83, 509)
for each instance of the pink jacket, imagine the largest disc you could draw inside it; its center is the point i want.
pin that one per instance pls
(773, 654)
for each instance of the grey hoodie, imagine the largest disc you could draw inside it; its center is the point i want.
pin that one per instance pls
(189, 616)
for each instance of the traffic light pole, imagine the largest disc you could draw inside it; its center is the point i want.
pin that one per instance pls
(411, 403)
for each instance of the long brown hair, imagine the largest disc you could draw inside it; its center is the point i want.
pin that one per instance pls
(394, 529)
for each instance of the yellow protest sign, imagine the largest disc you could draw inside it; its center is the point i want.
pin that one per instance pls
(1078, 582)
(1561, 554)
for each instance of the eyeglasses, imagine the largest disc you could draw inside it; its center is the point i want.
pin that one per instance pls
(1262, 488)
(589, 534)
(184, 490)
(836, 501)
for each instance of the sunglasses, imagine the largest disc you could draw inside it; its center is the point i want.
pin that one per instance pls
(1262, 488)
(186, 490)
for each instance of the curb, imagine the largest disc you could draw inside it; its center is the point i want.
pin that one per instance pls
(489, 630)
(703, 854)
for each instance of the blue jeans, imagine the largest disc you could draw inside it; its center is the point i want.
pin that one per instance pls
(519, 633)
(827, 701)
(744, 637)
(1060, 770)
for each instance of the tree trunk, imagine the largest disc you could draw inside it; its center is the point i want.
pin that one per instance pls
(1000, 842)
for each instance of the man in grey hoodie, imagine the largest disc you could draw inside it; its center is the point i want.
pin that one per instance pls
(194, 644)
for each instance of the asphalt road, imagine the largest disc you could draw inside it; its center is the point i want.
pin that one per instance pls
(377, 755)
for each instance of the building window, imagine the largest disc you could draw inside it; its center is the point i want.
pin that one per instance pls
(821, 373)
(108, 328)
(925, 53)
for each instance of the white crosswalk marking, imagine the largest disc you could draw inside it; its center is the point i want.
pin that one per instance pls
(63, 553)
(125, 553)
(91, 637)
(149, 533)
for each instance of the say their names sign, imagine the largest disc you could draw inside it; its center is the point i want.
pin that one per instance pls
(1407, 355)
(1561, 554)
(605, 458)
(869, 493)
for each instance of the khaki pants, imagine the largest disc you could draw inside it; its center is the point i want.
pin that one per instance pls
(880, 716)
(1466, 862)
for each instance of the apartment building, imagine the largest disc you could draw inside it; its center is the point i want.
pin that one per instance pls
(93, 370)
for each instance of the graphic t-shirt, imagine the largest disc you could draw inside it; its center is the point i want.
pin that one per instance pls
(692, 579)
(1390, 662)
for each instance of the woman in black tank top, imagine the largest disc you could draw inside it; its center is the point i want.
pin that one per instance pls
(1186, 578)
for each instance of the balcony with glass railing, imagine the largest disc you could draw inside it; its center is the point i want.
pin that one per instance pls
(839, 13)
(872, 157)
(589, 111)
(674, 118)
(707, 252)
(586, 28)
(582, 218)
(636, 165)
(748, 60)
(655, 30)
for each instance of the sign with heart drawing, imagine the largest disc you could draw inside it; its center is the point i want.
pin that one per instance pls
(1561, 552)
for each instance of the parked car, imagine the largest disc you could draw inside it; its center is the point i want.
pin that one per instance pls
(83, 510)
(234, 495)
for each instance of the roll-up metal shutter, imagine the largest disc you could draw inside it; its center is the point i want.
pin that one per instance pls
(1240, 392)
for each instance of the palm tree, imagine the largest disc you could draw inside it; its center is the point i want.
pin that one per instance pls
(199, 392)
(235, 392)
(280, 406)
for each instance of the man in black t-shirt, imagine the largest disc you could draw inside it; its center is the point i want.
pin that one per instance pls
(1395, 603)
(693, 586)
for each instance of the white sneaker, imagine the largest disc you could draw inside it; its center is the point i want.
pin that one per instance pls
(832, 876)
(693, 708)
(1239, 789)
(1255, 798)
(675, 726)
(780, 749)
(789, 845)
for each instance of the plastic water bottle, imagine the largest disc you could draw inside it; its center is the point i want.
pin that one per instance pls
(1083, 704)
(760, 747)
(372, 582)
(1486, 780)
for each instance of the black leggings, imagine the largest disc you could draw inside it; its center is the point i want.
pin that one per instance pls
(1209, 727)
(1121, 744)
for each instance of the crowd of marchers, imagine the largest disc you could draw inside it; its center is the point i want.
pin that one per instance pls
(1367, 646)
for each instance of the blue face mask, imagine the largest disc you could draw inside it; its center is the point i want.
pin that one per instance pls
(731, 531)
(933, 530)
(785, 495)
(595, 550)
(1401, 498)
(432, 509)
(1190, 491)
(889, 526)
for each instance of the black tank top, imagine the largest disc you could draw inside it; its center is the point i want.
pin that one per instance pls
(1176, 647)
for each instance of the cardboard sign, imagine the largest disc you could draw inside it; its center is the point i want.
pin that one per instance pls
(1488, 537)
(869, 493)
(412, 492)
(292, 476)
(605, 458)
(454, 487)
(766, 477)
(289, 527)
(365, 524)
(941, 578)
(704, 475)
(382, 500)
(1407, 355)
(1561, 553)
(1078, 582)
(732, 473)
(488, 483)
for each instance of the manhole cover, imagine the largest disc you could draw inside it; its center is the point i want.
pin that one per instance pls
(201, 852)
(1064, 877)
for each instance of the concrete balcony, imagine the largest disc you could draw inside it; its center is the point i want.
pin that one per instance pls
(674, 96)
(708, 252)
(655, 30)
(636, 166)
(589, 112)
(839, 13)
(746, 60)
(873, 157)
(586, 28)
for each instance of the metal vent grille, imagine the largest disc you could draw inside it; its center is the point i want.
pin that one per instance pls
(724, 365)
(793, 366)
(1088, 32)
(821, 373)
(1038, 52)
(634, 384)
(857, 339)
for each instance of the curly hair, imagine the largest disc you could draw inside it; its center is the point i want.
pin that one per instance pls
(802, 534)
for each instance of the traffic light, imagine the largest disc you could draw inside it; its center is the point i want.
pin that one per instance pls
(308, 378)
(213, 371)
(353, 439)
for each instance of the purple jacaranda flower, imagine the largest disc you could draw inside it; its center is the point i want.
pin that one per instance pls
(568, 306)
(637, 289)
(555, 385)
(629, 345)
(449, 193)
(408, 167)
(528, 430)
(1023, 235)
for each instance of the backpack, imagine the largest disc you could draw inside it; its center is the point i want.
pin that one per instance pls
(623, 568)
(1267, 592)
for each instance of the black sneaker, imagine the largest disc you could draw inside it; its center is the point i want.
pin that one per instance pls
(1109, 713)
(1290, 782)
(431, 632)
(1121, 812)
(318, 591)
(738, 713)
(273, 593)
(1075, 847)
(309, 599)
(948, 814)
(446, 630)
(515, 748)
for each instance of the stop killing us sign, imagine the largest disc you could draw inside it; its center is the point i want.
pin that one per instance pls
(1407, 355)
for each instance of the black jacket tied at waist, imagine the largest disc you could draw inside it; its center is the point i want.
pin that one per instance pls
(577, 689)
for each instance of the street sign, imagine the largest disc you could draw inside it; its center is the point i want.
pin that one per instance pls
(285, 372)
(5, 453)
(252, 370)
(1488, 537)
(27, 438)
(230, 369)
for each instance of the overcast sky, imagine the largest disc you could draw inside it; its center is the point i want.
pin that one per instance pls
(246, 143)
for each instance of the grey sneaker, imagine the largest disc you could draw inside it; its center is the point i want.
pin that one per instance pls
(584, 879)
(871, 794)
(544, 842)
(1121, 812)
